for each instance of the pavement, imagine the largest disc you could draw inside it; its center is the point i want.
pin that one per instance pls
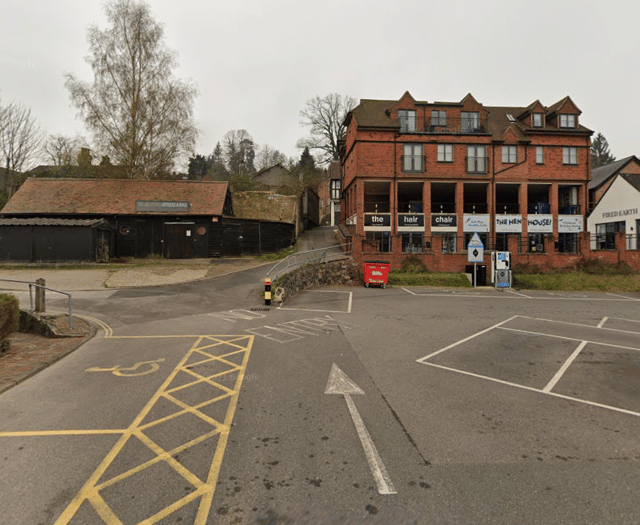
(30, 353)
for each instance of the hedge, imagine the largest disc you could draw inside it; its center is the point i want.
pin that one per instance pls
(9, 319)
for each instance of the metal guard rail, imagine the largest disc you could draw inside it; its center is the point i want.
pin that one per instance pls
(32, 285)
(317, 255)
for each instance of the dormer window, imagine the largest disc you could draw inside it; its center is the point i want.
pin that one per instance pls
(407, 120)
(567, 121)
(537, 120)
(469, 121)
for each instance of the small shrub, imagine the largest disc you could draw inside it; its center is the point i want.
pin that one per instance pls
(413, 264)
(9, 319)
(600, 267)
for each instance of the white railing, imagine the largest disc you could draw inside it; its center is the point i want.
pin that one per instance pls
(42, 287)
(331, 253)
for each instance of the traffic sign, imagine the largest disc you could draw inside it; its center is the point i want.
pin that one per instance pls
(475, 241)
(475, 250)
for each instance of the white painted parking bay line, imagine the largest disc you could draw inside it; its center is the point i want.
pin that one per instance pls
(423, 359)
(531, 389)
(349, 303)
(601, 323)
(567, 338)
(564, 368)
(624, 296)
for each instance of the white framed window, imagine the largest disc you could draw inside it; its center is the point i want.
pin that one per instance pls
(412, 158)
(335, 189)
(537, 120)
(407, 119)
(469, 121)
(445, 152)
(476, 159)
(438, 117)
(569, 155)
(567, 121)
(509, 154)
(539, 154)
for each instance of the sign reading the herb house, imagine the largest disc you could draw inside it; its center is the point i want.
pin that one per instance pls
(508, 223)
(162, 206)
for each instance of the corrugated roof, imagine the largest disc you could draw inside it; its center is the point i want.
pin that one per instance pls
(41, 221)
(602, 174)
(113, 196)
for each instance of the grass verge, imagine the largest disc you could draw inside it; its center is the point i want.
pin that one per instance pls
(458, 280)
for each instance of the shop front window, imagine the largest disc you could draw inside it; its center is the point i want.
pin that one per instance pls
(378, 241)
(449, 242)
(412, 243)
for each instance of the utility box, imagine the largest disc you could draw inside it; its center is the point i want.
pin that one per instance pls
(501, 262)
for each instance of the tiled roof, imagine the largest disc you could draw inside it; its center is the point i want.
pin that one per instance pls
(376, 114)
(265, 205)
(602, 174)
(633, 179)
(113, 196)
(41, 221)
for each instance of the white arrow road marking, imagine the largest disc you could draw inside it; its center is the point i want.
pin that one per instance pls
(339, 383)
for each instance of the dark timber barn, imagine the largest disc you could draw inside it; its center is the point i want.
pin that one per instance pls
(174, 219)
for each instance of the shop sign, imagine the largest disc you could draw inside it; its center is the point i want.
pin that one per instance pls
(540, 224)
(162, 206)
(477, 223)
(444, 222)
(619, 213)
(377, 222)
(570, 223)
(509, 223)
(410, 222)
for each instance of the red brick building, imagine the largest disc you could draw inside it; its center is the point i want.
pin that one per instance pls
(422, 177)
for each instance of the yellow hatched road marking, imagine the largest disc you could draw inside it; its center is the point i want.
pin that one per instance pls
(203, 488)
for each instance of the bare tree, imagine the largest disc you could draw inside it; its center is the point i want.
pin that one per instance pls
(139, 113)
(325, 118)
(268, 156)
(239, 150)
(20, 138)
(62, 151)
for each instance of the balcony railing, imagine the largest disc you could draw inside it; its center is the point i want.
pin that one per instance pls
(476, 208)
(447, 126)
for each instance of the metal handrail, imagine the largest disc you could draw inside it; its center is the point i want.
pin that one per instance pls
(32, 285)
(310, 256)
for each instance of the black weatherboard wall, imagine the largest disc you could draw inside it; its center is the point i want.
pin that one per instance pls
(199, 237)
(51, 240)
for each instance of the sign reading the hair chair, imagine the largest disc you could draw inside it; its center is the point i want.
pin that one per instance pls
(408, 222)
(162, 206)
(377, 222)
(444, 222)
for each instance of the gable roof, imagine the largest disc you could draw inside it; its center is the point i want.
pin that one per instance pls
(270, 168)
(633, 179)
(376, 114)
(113, 196)
(602, 174)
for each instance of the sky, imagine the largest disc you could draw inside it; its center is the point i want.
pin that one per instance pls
(257, 62)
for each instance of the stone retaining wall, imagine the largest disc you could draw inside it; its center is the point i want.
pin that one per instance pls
(346, 272)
